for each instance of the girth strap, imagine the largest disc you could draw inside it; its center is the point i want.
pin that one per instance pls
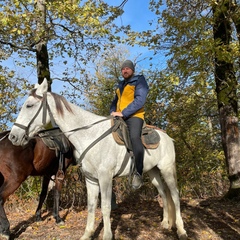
(126, 157)
(124, 164)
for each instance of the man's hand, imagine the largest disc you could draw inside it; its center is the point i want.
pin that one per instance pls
(116, 114)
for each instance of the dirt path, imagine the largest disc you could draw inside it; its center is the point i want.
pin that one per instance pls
(210, 219)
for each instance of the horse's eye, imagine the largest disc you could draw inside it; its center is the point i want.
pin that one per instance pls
(29, 105)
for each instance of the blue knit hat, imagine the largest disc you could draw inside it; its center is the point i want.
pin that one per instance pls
(129, 64)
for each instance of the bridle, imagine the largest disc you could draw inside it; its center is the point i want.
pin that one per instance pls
(44, 105)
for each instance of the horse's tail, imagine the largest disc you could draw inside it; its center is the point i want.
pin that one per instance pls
(174, 171)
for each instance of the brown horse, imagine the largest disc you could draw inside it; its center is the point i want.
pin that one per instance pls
(34, 159)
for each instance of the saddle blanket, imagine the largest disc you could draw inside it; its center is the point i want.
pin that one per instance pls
(150, 137)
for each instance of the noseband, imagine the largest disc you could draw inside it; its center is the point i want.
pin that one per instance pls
(44, 105)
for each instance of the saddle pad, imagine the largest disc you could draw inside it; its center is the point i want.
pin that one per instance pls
(150, 137)
(55, 140)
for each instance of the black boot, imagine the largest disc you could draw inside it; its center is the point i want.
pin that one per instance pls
(114, 205)
(137, 181)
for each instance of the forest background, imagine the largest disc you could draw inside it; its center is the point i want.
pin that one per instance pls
(187, 50)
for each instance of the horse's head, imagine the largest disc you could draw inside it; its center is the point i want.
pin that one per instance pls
(32, 116)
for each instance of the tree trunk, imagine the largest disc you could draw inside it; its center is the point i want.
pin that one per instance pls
(226, 89)
(43, 70)
(43, 64)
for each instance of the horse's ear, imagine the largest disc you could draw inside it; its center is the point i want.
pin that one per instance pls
(42, 88)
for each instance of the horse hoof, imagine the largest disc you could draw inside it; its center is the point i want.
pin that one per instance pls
(61, 223)
(87, 236)
(6, 236)
(38, 219)
(183, 237)
(165, 224)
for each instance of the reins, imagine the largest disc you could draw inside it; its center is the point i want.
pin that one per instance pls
(6, 135)
(110, 130)
(45, 107)
(76, 129)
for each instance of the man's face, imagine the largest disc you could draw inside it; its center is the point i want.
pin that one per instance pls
(127, 72)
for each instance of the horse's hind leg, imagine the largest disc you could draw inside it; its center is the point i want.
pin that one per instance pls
(92, 198)
(154, 175)
(169, 175)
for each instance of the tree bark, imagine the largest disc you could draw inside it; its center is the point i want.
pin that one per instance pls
(43, 64)
(226, 89)
(43, 70)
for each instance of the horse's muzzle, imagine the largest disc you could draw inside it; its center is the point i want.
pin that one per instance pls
(18, 141)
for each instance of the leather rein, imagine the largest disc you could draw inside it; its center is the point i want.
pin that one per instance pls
(45, 107)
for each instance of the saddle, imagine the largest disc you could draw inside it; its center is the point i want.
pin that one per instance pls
(150, 138)
(55, 140)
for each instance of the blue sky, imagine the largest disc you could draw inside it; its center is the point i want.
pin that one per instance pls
(136, 14)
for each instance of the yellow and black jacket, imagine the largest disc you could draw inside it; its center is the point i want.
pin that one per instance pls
(130, 97)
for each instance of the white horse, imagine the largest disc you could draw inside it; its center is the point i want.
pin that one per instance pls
(104, 160)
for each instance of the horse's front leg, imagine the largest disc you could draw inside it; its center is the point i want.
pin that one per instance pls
(5, 225)
(92, 198)
(42, 198)
(105, 183)
(57, 191)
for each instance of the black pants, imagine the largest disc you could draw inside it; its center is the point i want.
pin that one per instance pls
(135, 130)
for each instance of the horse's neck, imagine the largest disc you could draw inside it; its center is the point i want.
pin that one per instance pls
(75, 119)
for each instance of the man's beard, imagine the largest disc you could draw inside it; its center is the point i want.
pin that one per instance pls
(127, 76)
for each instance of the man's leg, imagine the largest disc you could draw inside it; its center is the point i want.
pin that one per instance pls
(135, 129)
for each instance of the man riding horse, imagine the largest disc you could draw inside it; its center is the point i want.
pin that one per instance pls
(129, 103)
